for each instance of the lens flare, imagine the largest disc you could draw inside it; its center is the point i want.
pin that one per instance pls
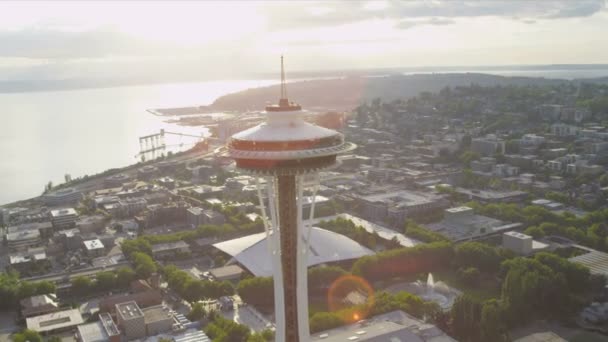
(338, 298)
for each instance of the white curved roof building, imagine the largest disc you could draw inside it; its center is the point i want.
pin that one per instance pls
(325, 246)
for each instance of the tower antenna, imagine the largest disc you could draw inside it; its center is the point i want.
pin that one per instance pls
(283, 85)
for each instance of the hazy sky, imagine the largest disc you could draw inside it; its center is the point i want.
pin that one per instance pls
(205, 39)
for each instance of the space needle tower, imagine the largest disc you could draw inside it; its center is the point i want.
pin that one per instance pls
(285, 155)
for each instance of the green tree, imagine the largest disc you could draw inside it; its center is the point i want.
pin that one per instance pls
(81, 285)
(321, 277)
(478, 255)
(124, 277)
(45, 287)
(105, 281)
(493, 327)
(197, 313)
(144, 265)
(27, 335)
(224, 330)
(257, 291)
(466, 315)
(321, 321)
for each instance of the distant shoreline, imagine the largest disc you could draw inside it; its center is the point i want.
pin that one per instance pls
(27, 86)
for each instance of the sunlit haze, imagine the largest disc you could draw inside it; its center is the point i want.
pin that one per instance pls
(203, 40)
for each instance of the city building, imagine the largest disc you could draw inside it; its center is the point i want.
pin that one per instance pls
(517, 242)
(167, 182)
(394, 207)
(488, 146)
(39, 305)
(128, 207)
(230, 272)
(70, 238)
(32, 259)
(461, 224)
(64, 218)
(116, 180)
(283, 151)
(492, 196)
(131, 320)
(531, 140)
(65, 196)
(147, 172)
(395, 326)
(170, 249)
(104, 330)
(213, 217)
(23, 239)
(195, 216)
(158, 319)
(143, 295)
(91, 224)
(94, 248)
(55, 322)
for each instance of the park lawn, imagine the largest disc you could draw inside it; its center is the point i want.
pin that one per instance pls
(487, 289)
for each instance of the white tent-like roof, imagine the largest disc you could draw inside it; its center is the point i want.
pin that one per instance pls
(252, 251)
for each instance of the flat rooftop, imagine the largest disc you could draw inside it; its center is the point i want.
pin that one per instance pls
(55, 320)
(129, 310)
(401, 198)
(23, 235)
(169, 246)
(471, 226)
(93, 332)
(226, 271)
(94, 244)
(63, 212)
(395, 326)
(156, 313)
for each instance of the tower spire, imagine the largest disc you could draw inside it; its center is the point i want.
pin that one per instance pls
(284, 104)
(283, 85)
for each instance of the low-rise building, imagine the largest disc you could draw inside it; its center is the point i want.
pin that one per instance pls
(116, 180)
(167, 182)
(94, 248)
(491, 196)
(39, 305)
(158, 319)
(461, 224)
(147, 172)
(64, 218)
(393, 326)
(231, 272)
(70, 238)
(394, 207)
(488, 146)
(55, 322)
(91, 224)
(517, 242)
(101, 331)
(62, 197)
(170, 249)
(23, 239)
(26, 262)
(131, 319)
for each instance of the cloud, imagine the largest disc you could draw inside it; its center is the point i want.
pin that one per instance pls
(284, 16)
(409, 23)
(55, 44)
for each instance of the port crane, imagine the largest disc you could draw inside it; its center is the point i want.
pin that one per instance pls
(154, 146)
